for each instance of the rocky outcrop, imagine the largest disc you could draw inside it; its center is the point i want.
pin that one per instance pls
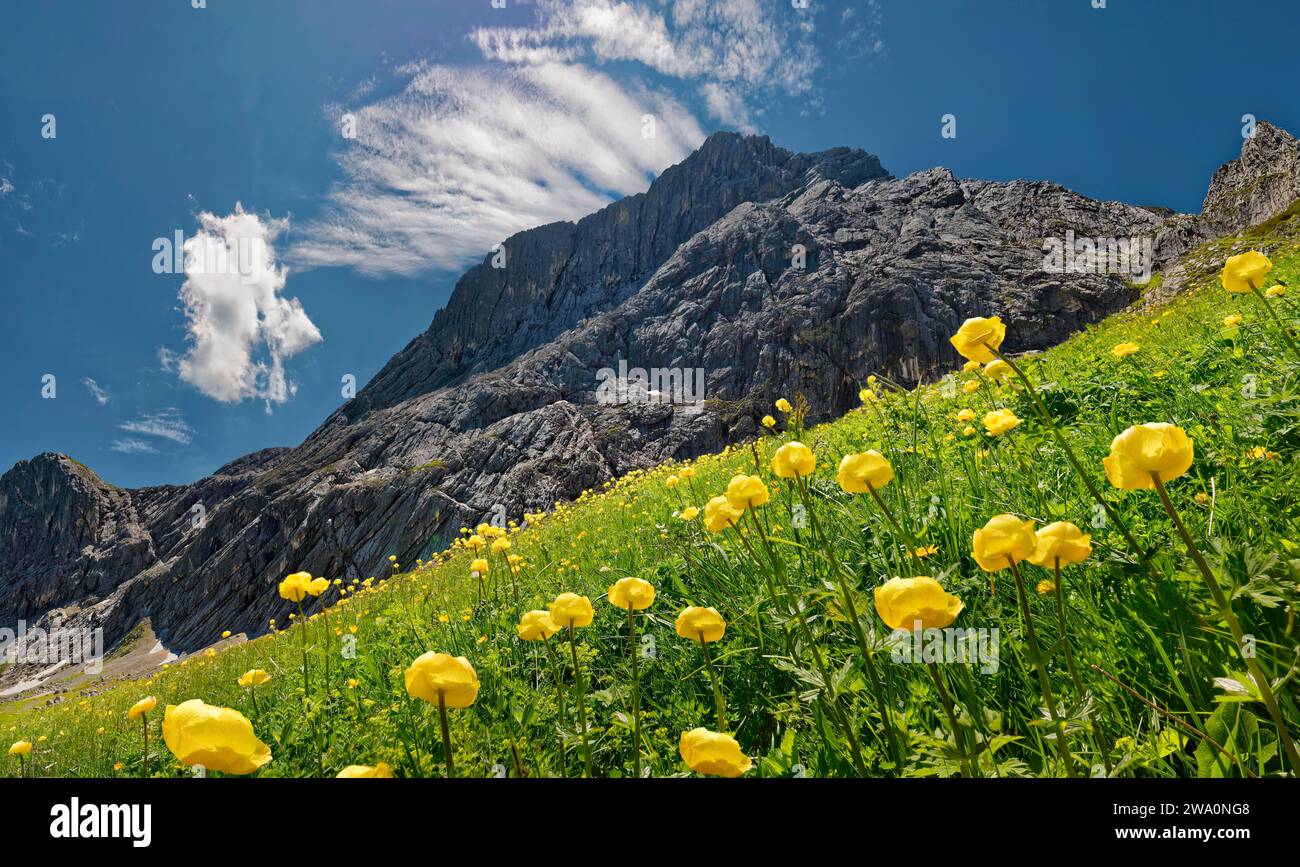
(772, 272)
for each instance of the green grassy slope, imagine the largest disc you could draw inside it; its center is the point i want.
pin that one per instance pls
(1151, 627)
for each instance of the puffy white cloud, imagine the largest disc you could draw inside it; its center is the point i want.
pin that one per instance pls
(239, 327)
(463, 158)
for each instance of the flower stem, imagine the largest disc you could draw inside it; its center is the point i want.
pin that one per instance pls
(582, 702)
(636, 695)
(446, 734)
(1225, 608)
(144, 727)
(1044, 682)
(718, 702)
(957, 736)
(1286, 335)
(559, 697)
(850, 608)
(302, 628)
(898, 528)
(1065, 635)
(1046, 417)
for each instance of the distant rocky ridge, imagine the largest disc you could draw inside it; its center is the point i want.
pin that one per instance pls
(495, 403)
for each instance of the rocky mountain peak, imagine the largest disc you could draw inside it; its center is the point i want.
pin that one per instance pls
(1263, 181)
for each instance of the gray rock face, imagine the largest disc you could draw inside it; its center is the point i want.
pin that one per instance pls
(775, 273)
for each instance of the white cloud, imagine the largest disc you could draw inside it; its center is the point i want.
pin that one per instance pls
(752, 43)
(463, 158)
(168, 424)
(132, 446)
(240, 329)
(96, 391)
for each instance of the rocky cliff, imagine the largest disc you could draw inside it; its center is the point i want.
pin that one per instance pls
(772, 272)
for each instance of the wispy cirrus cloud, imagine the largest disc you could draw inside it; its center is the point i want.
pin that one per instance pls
(168, 424)
(550, 126)
(463, 158)
(133, 446)
(98, 392)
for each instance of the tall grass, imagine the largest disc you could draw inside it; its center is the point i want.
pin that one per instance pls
(1152, 686)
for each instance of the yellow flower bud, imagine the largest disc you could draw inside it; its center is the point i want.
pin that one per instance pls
(218, 738)
(700, 624)
(356, 772)
(536, 625)
(441, 674)
(746, 492)
(1005, 538)
(999, 421)
(793, 460)
(1145, 449)
(1245, 270)
(570, 609)
(1060, 542)
(141, 707)
(631, 594)
(861, 473)
(977, 336)
(707, 752)
(916, 603)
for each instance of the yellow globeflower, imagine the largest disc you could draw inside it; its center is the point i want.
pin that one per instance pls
(746, 492)
(570, 609)
(966, 415)
(475, 543)
(793, 460)
(719, 514)
(21, 748)
(769, 422)
(1275, 291)
(1124, 350)
(707, 752)
(631, 594)
(1232, 321)
(970, 367)
(916, 603)
(1144, 449)
(434, 674)
(1242, 271)
(999, 421)
(480, 566)
(977, 336)
(700, 624)
(218, 738)
(1060, 542)
(1004, 538)
(358, 772)
(318, 586)
(998, 370)
(296, 587)
(225, 633)
(253, 677)
(141, 707)
(687, 472)
(783, 405)
(690, 513)
(864, 472)
(536, 626)
(500, 546)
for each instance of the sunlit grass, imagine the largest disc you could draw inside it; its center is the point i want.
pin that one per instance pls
(804, 686)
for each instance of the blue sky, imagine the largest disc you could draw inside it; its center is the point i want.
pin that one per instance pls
(473, 122)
